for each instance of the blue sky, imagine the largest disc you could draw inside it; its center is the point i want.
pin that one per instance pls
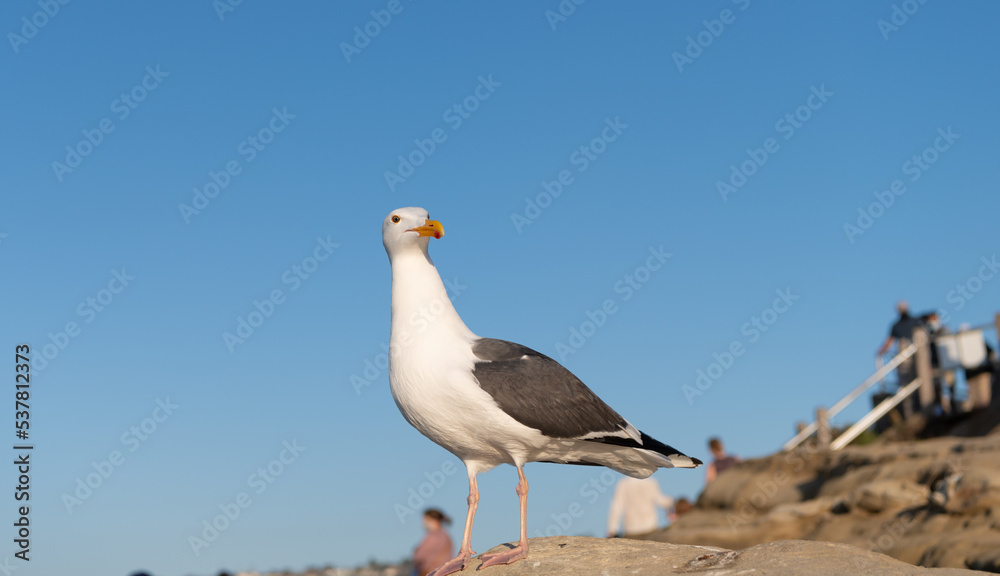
(125, 293)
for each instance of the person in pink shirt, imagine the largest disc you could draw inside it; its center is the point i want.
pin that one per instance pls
(722, 460)
(436, 547)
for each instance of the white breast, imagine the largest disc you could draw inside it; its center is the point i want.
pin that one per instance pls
(430, 374)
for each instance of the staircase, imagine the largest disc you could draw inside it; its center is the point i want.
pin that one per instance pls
(922, 385)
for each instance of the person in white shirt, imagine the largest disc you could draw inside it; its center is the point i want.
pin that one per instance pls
(639, 501)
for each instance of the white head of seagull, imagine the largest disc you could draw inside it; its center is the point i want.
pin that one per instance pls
(489, 401)
(408, 230)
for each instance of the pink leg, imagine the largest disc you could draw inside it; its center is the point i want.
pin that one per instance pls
(465, 553)
(521, 550)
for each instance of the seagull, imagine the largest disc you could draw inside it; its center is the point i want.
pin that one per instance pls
(492, 402)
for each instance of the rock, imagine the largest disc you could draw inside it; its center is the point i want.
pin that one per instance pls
(888, 495)
(986, 561)
(759, 484)
(944, 490)
(578, 556)
(976, 547)
(974, 489)
(810, 509)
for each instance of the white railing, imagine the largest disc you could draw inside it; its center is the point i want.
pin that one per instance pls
(870, 418)
(853, 395)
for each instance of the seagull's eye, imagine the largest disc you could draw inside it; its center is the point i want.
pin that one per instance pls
(395, 219)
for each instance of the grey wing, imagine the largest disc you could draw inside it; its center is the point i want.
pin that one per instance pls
(538, 392)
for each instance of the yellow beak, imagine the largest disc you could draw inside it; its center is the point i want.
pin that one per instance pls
(430, 228)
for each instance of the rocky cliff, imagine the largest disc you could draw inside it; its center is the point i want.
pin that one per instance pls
(933, 503)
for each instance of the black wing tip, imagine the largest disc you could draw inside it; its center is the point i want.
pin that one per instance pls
(647, 443)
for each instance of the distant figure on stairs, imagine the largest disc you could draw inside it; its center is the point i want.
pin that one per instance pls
(902, 334)
(944, 381)
(722, 461)
(980, 380)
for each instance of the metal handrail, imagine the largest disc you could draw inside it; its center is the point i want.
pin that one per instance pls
(881, 410)
(878, 375)
(853, 395)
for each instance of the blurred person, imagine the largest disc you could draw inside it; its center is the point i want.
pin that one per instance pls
(436, 547)
(639, 501)
(901, 334)
(722, 461)
(979, 380)
(682, 507)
